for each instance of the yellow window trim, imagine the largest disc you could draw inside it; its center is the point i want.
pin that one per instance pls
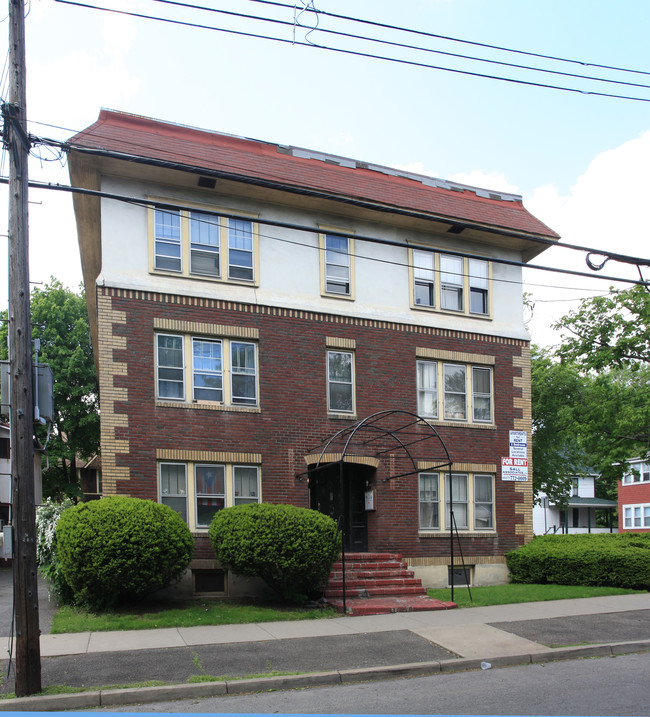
(436, 288)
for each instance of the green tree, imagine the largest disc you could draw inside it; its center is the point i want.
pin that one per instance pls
(610, 331)
(559, 394)
(60, 321)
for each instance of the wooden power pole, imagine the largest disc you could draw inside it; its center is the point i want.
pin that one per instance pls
(28, 653)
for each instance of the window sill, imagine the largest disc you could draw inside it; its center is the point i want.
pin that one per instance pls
(342, 416)
(344, 297)
(449, 312)
(463, 533)
(207, 406)
(201, 277)
(458, 424)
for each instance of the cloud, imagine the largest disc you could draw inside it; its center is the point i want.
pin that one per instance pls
(605, 209)
(485, 180)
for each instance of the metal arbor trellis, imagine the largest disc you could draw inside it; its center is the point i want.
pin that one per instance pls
(385, 433)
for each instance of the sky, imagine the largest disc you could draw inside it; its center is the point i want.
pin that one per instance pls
(579, 160)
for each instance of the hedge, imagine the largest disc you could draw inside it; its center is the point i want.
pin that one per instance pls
(120, 547)
(291, 548)
(610, 559)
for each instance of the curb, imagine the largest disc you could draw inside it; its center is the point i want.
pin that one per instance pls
(148, 695)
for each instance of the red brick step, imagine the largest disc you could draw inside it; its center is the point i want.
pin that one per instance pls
(378, 583)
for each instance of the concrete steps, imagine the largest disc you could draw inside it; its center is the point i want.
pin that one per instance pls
(376, 584)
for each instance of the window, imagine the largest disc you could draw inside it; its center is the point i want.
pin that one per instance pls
(212, 486)
(167, 240)
(173, 487)
(636, 516)
(205, 244)
(340, 382)
(223, 371)
(427, 388)
(429, 501)
(337, 265)
(455, 392)
(171, 382)
(482, 394)
(639, 473)
(470, 496)
(458, 278)
(424, 278)
(451, 282)
(478, 286)
(445, 389)
(201, 244)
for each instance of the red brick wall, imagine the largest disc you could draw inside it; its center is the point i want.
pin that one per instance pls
(632, 494)
(293, 418)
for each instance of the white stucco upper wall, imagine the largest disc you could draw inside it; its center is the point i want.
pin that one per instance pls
(289, 264)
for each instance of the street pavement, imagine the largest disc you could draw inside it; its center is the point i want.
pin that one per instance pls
(331, 651)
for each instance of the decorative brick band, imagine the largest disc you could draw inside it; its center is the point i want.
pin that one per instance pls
(524, 404)
(470, 560)
(208, 406)
(178, 454)
(464, 467)
(335, 457)
(423, 352)
(196, 327)
(338, 343)
(107, 343)
(195, 301)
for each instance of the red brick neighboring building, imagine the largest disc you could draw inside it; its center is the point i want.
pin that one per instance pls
(634, 497)
(248, 300)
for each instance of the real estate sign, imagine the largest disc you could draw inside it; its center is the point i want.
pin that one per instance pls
(514, 469)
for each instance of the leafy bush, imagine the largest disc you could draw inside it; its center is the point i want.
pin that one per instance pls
(614, 559)
(120, 547)
(291, 548)
(47, 516)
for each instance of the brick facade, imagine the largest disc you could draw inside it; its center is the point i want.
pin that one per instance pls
(138, 430)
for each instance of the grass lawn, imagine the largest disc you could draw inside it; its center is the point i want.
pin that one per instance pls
(175, 613)
(514, 592)
(156, 615)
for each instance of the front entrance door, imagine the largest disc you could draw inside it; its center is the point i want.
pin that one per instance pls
(348, 508)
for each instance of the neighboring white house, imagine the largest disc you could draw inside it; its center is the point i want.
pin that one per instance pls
(577, 514)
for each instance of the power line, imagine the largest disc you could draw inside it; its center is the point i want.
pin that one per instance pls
(456, 39)
(173, 206)
(356, 53)
(419, 48)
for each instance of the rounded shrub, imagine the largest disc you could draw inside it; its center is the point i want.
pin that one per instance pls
(120, 547)
(614, 560)
(291, 548)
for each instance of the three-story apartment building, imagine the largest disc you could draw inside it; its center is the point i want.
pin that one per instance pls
(248, 300)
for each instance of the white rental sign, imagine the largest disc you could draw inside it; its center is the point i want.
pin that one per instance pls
(518, 444)
(514, 469)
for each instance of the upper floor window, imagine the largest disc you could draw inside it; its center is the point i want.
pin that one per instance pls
(469, 497)
(337, 265)
(454, 392)
(638, 473)
(444, 282)
(196, 243)
(220, 370)
(340, 382)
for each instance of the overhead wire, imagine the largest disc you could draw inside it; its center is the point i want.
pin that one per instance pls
(175, 206)
(391, 43)
(425, 33)
(355, 53)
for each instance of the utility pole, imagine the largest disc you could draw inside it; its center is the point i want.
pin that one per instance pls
(28, 653)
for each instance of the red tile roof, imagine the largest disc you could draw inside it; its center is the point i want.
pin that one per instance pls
(239, 157)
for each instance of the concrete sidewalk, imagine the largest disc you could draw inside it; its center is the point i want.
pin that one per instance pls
(333, 651)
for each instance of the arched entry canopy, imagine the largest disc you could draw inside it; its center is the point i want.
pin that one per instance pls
(338, 468)
(383, 434)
